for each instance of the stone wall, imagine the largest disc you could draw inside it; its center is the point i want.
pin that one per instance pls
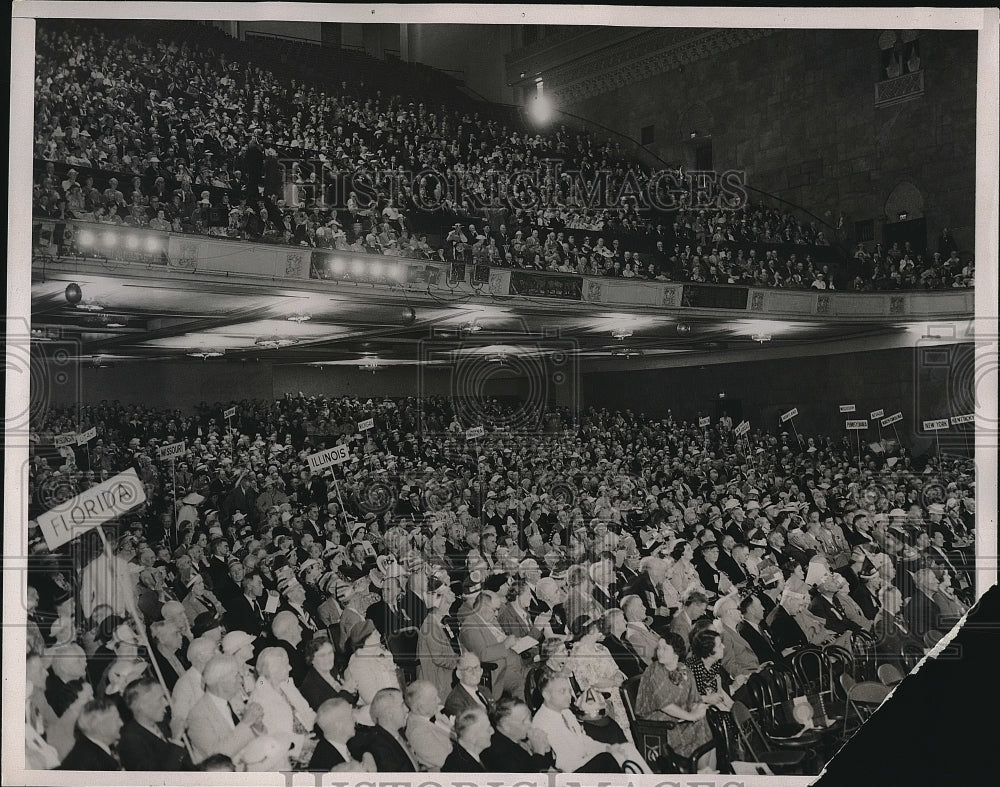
(796, 110)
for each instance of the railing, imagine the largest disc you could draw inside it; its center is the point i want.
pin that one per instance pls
(107, 249)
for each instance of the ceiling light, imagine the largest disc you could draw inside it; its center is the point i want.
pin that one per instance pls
(761, 337)
(370, 365)
(90, 306)
(274, 342)
(299, 318)
(203, 354)
(472, 327)
(626, 353)
(115, 324)
(500, 358)
(621, 333)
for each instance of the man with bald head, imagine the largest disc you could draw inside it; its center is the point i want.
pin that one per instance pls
(335, 722)
(189, 689)
(67, 674)
(427, 728)
(286, 630)
(213, 726)
(468, 691)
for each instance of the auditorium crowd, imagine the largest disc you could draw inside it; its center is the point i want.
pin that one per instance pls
(195, 137)
(440, 604)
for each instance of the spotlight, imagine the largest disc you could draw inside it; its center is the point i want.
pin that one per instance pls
(109, 239)
(408, 316)
(541, 109)
(153, 244)
(683, 328)
(132, 242)
(73, 293)
(85, 239)
(338, 267)
(357, 268)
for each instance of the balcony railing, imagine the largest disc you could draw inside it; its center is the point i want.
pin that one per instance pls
(119, 250)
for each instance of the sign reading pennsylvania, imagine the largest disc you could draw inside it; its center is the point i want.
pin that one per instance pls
(97, 505)
(545, 285)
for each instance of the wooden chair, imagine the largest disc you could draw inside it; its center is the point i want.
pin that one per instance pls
(758, 747)
(650, 737)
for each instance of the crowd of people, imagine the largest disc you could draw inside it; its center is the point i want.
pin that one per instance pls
(437, 605)
(183, 137)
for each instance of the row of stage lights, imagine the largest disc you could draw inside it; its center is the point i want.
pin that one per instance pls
(366, 270)
(131, 241)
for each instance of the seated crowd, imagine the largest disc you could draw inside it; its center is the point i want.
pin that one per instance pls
(205, 141)
(438, 606)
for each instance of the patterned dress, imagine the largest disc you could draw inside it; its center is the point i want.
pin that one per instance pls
(659, 688)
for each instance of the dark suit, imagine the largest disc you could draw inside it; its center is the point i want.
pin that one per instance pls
(785, 631)
(325, 756)
(415, 608)
(242, 616)
(460, 761)
(316, 690)
(868, 603)
(625, 656)
(507, 756)
(459, 700)
(141, 750)
(88, 756)
(388, 753)
(762, 645)
(922, 614)
(833, 617)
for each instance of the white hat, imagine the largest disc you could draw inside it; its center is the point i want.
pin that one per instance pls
(235, 640)
(193, 499)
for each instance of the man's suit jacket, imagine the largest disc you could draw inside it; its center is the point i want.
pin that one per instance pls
(141, 750)
(513, 624)
(430, 742)
(785, 630)
(681, 624)
(170, 675)
(651, 596)
(738, 658)
(863, 598)
(388, 753)
(437, 653)
(241, 616)
(209, 733)
(459, 699)
(415, 607)
(643, 641)
(762, 646)
(625, 655)
(507, 756)
(88, 756)
(476, 638)
(325, 757)
(922, 614)
(460, 761)
(833, 619)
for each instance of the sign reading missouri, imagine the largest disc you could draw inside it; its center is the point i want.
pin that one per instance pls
(87, 510)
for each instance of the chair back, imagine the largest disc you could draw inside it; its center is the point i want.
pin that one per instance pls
(532, 695)
(889, 675)
(847, 683)
(629, 691)
(754, 744)
(808, 666)
(839, 661)
(910, 655)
